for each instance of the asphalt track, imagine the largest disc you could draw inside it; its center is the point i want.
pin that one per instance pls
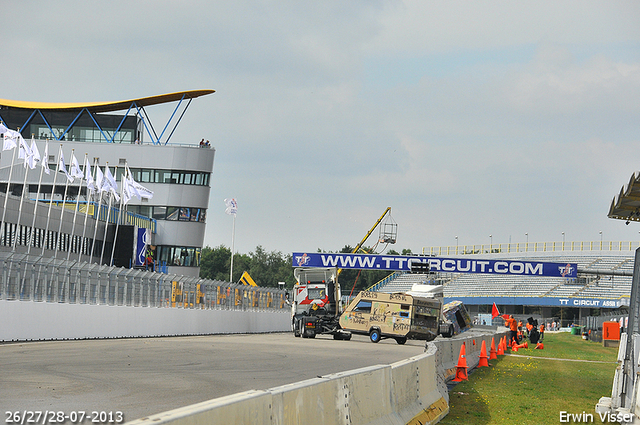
(143, 376)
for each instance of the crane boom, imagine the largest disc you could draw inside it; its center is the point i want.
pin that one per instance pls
(387, 211)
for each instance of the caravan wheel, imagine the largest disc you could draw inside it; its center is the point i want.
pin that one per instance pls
(374, 335)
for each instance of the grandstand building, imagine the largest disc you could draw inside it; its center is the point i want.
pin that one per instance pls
(113, 134)
(603, 285)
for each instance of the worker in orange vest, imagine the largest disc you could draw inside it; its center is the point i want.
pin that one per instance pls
(511, 323)
(541, 332)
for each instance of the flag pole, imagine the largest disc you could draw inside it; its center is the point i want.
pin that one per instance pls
(43, 160)
(53, 190)
(35, 208)
(75, 210)
(24, 187)
(64, 202)
(86, 210)
(233, 237)
(115, 234)
(99, 191)
(6, 197)
(106, 227)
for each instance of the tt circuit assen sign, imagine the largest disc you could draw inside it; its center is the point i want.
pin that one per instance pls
(436, 264)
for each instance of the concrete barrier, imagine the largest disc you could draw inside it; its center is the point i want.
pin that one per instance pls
(412, 391)
(29, 320)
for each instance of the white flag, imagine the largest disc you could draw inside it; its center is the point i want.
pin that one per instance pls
(45, 163)
(136, 189)
(3, 128)
(232, 206)
(128, 180)
(110, 184)
(75, 167)
(24, 151)
(10, 140)
(108, 178)
(142, 191)
(100, 182)
(91, 184)
(126, 191)
(62, 167)
(34, 158)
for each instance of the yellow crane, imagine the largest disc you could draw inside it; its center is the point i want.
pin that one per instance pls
(386, 236)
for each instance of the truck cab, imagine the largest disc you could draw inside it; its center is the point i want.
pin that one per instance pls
(315, 303)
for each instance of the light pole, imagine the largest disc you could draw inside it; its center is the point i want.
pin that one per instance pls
(563, 241)
(456, 245)
(600, 240)
(490, 244)
(526, 247)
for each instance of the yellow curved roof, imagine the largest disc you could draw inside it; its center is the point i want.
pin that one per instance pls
(108, 106)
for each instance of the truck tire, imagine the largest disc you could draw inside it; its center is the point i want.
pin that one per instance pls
(401, 340)
(374, 335)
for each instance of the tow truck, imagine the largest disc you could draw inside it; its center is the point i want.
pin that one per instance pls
(316, 305)
(417, 314)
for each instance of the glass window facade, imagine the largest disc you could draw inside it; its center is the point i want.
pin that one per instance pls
(178, 255)
(170, 213)
(146, 175)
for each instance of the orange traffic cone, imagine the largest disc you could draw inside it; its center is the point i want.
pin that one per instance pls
(484, 359)
(492, 352)
(519, 346)
(539, 346)
(514, 348)
(501, 347)
(461, 367)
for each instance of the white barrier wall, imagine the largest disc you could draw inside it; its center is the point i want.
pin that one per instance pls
(371, 395)
(28, 320)
(412, 391)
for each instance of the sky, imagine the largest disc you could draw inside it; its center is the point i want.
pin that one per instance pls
(476, 122)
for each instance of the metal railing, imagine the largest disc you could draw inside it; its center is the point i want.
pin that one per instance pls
(531, 247)
(31, 278)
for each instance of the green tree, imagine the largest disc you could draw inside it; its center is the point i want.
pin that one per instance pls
(215, 262)
(265, 268)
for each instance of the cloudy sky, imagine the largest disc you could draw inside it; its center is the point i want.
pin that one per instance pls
(469, 119)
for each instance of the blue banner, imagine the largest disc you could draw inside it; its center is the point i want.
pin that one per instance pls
(540, 301)
(436, 264)
(143, 238)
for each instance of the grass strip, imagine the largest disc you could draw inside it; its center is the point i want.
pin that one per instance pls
(534, 390)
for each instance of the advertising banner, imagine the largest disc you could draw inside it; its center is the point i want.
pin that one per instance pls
(143, 238)
(436, 264)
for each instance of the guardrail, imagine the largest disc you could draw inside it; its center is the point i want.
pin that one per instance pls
(30, 278)
(531, 247)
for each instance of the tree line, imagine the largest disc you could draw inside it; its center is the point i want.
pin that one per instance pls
(269, 268)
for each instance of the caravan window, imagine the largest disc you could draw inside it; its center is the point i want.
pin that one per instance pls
(363, 306)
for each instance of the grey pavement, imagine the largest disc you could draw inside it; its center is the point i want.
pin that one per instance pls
(144, 376)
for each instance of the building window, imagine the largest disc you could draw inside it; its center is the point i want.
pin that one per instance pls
(179, 256)
(172, 213)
